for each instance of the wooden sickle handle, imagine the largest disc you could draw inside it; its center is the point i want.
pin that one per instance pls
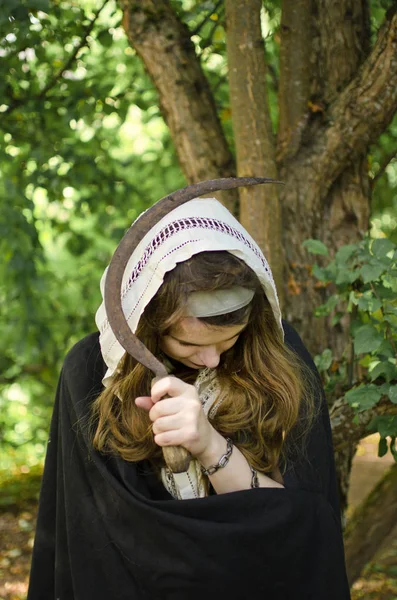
(177, 458)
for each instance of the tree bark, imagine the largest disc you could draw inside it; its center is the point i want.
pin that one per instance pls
(260, 210)
(163, 43)
(315, 199)
(370, 524)
(341, 42)
(295, 74)
(318, 187)
(348, 430)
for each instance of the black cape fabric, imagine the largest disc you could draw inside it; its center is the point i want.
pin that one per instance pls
(108, 529)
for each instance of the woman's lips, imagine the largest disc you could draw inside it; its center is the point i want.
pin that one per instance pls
(194, 364)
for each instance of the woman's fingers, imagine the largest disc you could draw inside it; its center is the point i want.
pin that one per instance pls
(144, 402)
(170, 406)
(167, 423)
(178, 420)
(171, 438)
(171, 386)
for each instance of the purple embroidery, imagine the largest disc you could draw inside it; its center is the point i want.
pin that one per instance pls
(189, 223)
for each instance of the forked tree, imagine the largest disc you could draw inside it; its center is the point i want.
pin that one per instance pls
(337, 93)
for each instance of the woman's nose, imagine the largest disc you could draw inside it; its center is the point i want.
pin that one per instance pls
(210, 357)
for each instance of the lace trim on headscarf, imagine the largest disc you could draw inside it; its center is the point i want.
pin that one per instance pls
(176, 227)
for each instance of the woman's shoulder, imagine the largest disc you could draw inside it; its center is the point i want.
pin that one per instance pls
(294, 341)
(84, 359)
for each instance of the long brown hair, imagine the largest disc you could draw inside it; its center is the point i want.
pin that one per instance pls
(267, 392)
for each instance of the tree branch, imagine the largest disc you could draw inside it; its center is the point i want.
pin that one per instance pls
(17, 102)
(186, 101)
(340, 43)
(347, 430)
(260, 209)
(363, 110)
(206, 18)
(387, 159)
(294, 85)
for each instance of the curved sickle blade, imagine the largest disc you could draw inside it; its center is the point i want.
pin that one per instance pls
(131, 239)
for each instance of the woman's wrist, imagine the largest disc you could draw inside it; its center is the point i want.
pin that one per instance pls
(215, 448)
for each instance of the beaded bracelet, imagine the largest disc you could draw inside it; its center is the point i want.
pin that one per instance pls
(224, 459)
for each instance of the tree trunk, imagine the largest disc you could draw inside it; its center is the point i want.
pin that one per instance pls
(335, 207)
(336, 211)
(163, 42)
(346, 109)
(323, 198)
(344, 461)
(370, 524)
(260, 211)
(295, 75)
(335, 99)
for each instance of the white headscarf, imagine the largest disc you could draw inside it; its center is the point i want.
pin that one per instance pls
(202, 224)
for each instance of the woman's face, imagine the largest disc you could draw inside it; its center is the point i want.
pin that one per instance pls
(197, 345)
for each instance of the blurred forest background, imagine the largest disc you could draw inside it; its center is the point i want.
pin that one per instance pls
(103, 110)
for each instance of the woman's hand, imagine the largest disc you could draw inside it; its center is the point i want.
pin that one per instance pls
(180, 419)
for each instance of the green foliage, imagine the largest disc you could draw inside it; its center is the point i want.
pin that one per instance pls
(20, 487)
(383, 168)
(315, 247)
(364, 279)
(83, 150)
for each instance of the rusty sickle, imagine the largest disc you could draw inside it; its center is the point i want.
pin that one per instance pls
(176, 457)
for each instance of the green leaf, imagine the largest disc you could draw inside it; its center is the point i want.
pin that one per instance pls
(363, 397)
(345, 275)
(315, 247)
(20, 13)
(320, 273)
(371, 272)
(391, 310)
(345, 252)
(42, 5)
(325, 309)
(392, 393)
(368, 303)
(385, 368)
(384, 291)
(382, 247)
(386, 425)
(393, 447)
(366, 361)
(384, 389)
(367, 339)
(382, 448)
(105, 38)
(324, 360)
(385, 349)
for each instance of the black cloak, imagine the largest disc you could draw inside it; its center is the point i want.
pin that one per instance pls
(107, 529)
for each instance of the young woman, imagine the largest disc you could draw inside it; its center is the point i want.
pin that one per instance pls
(256, 513)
